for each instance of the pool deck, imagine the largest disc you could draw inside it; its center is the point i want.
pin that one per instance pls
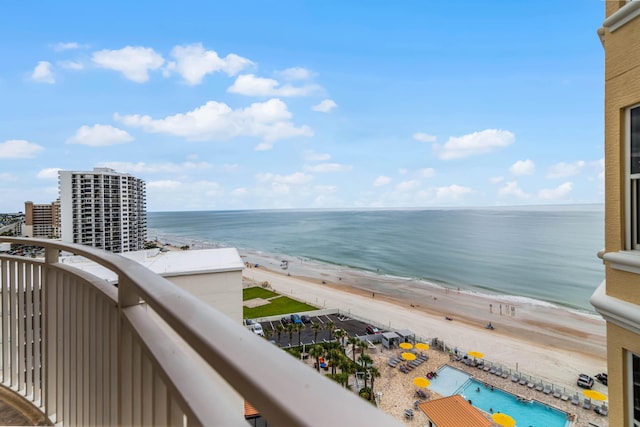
(398, 391)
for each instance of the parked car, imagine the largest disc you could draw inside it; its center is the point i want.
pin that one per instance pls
(305, 318)
(602, 378)
(257, 329)
(585, 381)
(370, 329)
(295, 318)
(285, 320)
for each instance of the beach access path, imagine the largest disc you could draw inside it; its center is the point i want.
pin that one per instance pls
(550, 343)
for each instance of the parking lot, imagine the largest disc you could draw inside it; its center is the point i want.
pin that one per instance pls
(307, 334)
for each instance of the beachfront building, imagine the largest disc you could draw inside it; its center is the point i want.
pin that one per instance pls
(41, 220)
(104, 209)
(617, 299)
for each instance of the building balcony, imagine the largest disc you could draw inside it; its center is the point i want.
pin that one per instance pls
(85, 352)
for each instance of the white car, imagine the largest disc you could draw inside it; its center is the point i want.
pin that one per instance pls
(257, 329)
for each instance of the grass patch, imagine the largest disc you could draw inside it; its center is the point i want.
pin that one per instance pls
(282, 305)
(257, 292)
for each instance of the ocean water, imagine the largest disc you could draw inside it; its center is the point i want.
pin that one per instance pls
(547, 254)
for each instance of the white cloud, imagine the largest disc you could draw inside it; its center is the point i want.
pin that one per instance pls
(293, 179)
(100, 136)
(474, 143)
(424, 137)
(48, 173)
(325, 189)
(312, 156)
(381, 181)
(42, 73)
(250, 85)
(328, 167)
(562, 169)
(325, 106)
(522, 167)
(496, 179)
(231, 167)
(19, 149)
(217, 121)
(7, 177)
(295, 73)
(239, 192)
(560, 192)
(193, 63)
(426, 172)
(142, 167)
(66, 46)
(407, 186)
(71, 65)
(451, 192)
(134, 62)
(511, 188)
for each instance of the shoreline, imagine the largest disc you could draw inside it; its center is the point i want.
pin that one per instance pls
(550, 343)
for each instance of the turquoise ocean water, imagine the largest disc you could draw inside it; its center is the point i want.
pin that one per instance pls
(547, 254)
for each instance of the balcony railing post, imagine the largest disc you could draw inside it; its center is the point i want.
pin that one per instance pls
(126, 298)
(51, 389)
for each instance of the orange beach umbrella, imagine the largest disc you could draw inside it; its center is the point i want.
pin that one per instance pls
(422, 346)
(406, 345)
(476, 354)
(408, 356)
(503, 419)
(421, 382)
(595, 395)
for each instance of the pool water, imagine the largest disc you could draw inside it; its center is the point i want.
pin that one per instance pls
(526, 414)
(448, 381)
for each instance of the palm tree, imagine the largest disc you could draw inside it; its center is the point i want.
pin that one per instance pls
(316, 328)
(339, 334)
(375, 373)
(279, 331)
(334, 357)
(365, 360)
(342, 379)
(354, 341)
(330, 326)
(316, 351)
(290, 329)
(363, 346)
(299, 328)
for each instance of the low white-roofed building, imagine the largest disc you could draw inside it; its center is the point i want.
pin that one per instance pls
(213, 275)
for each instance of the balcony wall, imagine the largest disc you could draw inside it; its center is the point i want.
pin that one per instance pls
(146, 352)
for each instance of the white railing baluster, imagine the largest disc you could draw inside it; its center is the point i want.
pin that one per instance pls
(22, 333)
(5, 320)
(28, 329)
(12, 338)
(38, 335)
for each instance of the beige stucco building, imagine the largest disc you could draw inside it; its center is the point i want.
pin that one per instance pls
(618, 298)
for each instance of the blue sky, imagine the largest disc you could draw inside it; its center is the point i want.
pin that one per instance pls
(306, 104)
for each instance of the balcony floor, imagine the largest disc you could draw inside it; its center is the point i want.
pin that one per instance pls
(16, 411)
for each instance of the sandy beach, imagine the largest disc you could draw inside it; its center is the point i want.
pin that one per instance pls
(550, 343)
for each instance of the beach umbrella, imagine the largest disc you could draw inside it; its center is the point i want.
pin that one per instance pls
(422, 346)
(406, 345)
(476, 354)
(421, 382)
(503, 419)
(595, 395)
(408, 356)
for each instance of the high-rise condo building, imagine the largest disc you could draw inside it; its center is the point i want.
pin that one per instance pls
(104, 209)
(41, 220)
(618, 297)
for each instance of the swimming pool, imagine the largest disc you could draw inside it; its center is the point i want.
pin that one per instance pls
(529, 413)
(448, 381)
(452, 381)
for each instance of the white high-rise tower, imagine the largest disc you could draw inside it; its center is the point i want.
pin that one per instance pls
(104, 209)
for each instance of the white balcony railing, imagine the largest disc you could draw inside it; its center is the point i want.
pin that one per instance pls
(88, 353)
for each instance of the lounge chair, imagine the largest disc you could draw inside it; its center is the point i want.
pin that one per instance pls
(523, 381)
(505, 375)
(539, 386)
(556, 393)
(498, 372)
(546, 389)
(602, 409)
(493, 370)
(486, 368)
(575, 400)
(515, 378)
(530, 384)
(564, 397)
(408, 413)
(586, 404)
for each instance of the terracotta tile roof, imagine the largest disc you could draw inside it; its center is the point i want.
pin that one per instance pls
(454, 411)
(250, 411)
